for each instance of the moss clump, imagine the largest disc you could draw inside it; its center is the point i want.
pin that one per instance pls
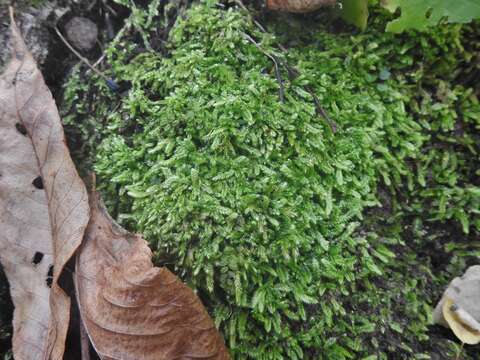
(260, 206)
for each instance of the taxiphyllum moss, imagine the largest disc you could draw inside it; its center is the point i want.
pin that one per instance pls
(263, 206)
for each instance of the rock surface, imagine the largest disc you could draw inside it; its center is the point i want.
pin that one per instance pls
(32, 24)
(82, 33)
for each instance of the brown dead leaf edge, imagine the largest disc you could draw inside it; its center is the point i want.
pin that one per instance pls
(130, 309)
(125, 300)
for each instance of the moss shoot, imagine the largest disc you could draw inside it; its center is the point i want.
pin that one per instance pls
(304, 225)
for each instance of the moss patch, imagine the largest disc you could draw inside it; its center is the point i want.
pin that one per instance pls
(304, 240)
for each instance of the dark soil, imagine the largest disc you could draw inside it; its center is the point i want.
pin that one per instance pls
(6, 313)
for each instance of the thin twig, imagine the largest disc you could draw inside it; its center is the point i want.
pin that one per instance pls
(114, 40)
(10, 11)
(100, 59)
(110, 82)
(281, 90)
(293, 72)
(321, 110)
(82, 59)
(109, 8)
(242, 5)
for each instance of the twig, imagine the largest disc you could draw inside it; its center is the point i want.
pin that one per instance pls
(10, 11)
(281, 90)
(111, 84)
(242, 5)
(109, 8)
(321, 110)
(82, 59)
(100, 59)
(293, 72)
(114, 40)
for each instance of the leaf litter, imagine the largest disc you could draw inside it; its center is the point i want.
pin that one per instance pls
(130, 309)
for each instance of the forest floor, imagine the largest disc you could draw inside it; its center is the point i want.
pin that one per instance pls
(404, 115)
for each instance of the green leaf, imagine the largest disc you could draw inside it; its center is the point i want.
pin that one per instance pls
(258, 300)
(366, 327)
(355, 12)
(396, 326)
(419, 14)
(137, 194)
(307, 299)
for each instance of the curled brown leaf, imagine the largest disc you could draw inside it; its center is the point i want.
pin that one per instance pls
(133, 310)
(130, 309)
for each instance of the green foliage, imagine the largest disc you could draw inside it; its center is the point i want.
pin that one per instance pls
(274, 219)
(446, 173)
(419, 14)
(355, 12)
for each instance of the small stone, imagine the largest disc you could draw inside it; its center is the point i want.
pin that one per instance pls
(82, 33)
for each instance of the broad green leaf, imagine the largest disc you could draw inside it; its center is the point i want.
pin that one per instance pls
(419, 14)
(355, 12)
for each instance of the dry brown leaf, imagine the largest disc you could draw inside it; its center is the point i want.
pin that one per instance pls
(298, 6)
(459, 308)
(132, 310)
(456, 320)
(43, 207)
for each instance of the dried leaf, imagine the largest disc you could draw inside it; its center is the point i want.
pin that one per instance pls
(461, 323)
(298, 6)
(43, 207)
(132, 310)
(459, 308)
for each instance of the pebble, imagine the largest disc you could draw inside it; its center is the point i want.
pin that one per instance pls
(82, 33)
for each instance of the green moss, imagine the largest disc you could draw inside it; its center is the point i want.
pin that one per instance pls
(273, 217)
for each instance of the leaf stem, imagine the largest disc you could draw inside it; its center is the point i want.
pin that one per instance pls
(459, 351)
(111, 83)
